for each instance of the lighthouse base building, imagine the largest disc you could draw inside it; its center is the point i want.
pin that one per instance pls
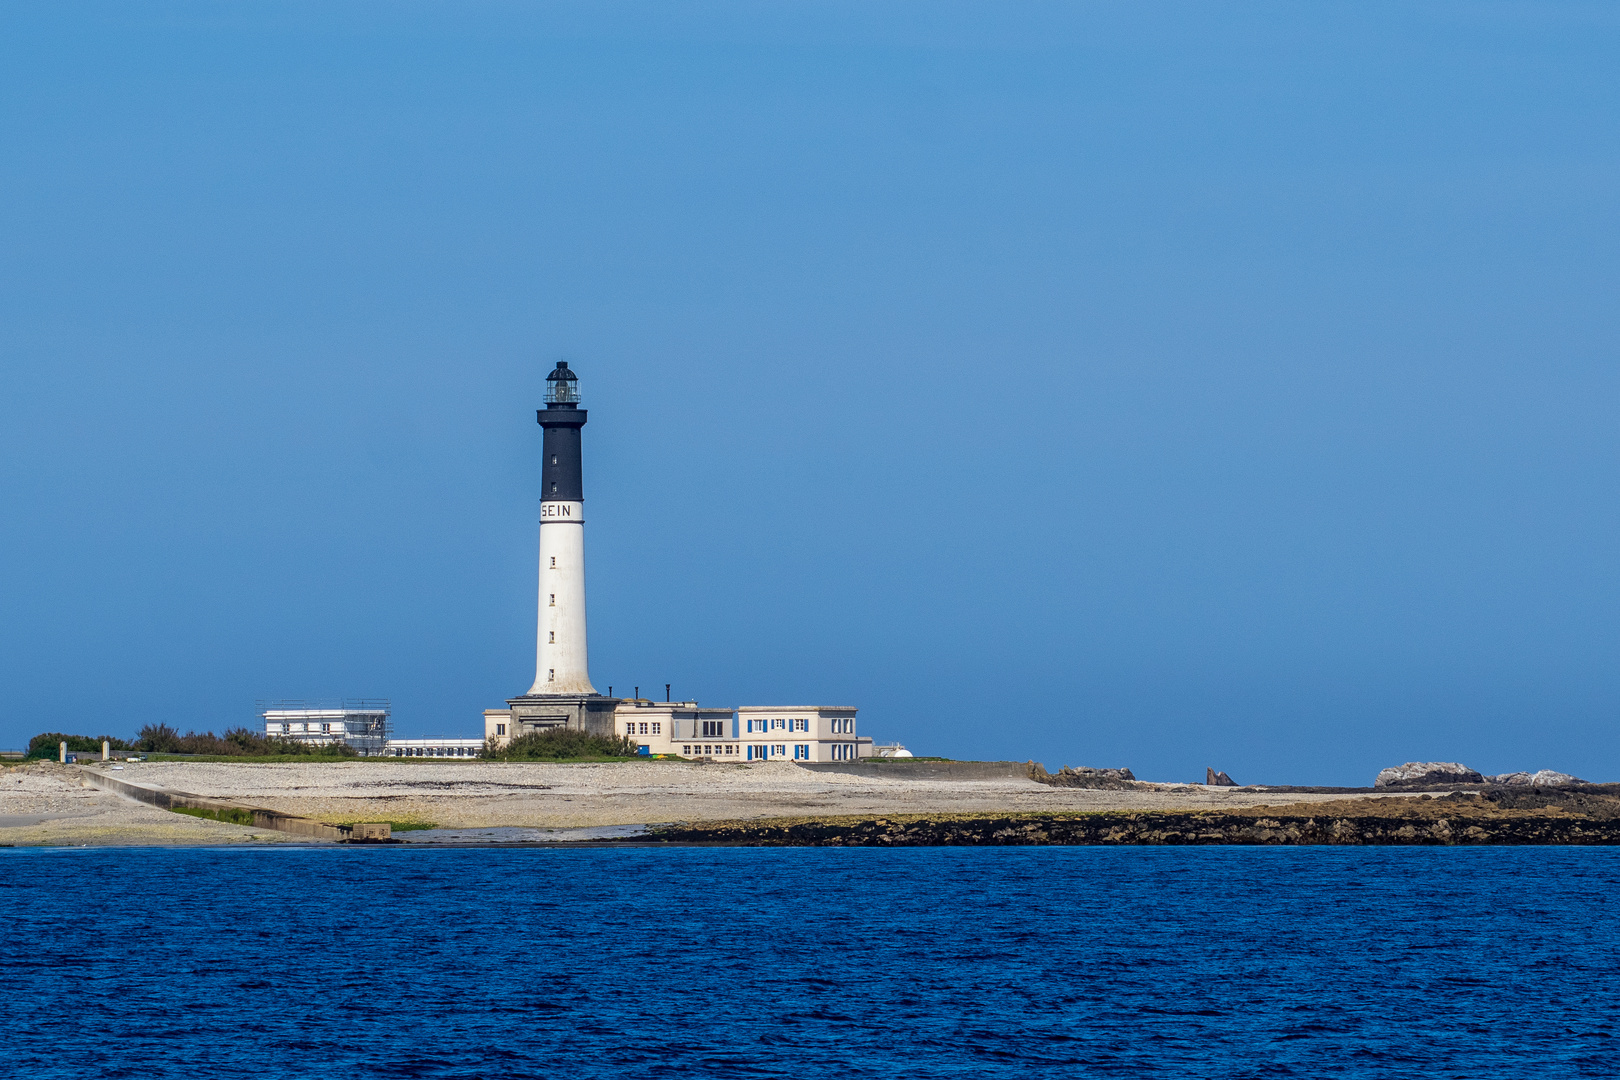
(591, 713)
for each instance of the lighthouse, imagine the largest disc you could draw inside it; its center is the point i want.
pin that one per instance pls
(560, 662)
(562, 694)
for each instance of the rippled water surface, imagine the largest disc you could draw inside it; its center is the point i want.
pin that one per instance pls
(998, 962)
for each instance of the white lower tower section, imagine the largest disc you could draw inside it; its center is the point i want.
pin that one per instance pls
(560, 664)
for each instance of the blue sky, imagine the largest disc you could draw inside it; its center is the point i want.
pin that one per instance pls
(1161, 385)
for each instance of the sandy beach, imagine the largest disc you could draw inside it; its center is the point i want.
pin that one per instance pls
(47, 803)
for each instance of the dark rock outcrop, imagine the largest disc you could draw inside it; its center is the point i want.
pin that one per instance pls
(1084, 777)
(1218, 779)
(1598, 801)
(1461, 819)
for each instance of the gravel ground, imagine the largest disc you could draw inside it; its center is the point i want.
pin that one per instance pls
(463, 795)
(43, 803)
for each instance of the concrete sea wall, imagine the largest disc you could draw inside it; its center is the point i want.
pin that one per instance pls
(236, 813)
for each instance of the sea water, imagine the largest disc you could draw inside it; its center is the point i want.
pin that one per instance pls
(752, 962)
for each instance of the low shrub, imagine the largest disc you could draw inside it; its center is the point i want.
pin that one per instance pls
(561, 744)
(236, 742)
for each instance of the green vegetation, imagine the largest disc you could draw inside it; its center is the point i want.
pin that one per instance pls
(159, 740)
(48, 744)
(232, 816)
(562, 744)
(410, 826)
(237, 742)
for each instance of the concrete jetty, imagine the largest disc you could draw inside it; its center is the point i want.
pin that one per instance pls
(238, 814)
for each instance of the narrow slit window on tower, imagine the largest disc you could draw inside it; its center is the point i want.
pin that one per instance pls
(551, 675)
(554, 561)
(553, 639)
(553, 600)
(554, 487)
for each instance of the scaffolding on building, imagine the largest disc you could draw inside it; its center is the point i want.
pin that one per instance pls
(365, 724)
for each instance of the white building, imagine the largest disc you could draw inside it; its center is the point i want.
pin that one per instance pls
(435, 748)
(360, 724)
(363, 725)
(800, 733)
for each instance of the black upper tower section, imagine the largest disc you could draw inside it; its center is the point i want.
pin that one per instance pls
(562, 418)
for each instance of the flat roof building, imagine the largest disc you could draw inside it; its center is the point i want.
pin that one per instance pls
(435, 748)
(361, 723)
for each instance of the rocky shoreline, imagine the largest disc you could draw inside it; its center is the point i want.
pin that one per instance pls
(1583, 817)
(46, 803)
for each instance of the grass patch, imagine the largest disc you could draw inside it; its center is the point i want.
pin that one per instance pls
(393, 826)
(967, 816)
(231, 816)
